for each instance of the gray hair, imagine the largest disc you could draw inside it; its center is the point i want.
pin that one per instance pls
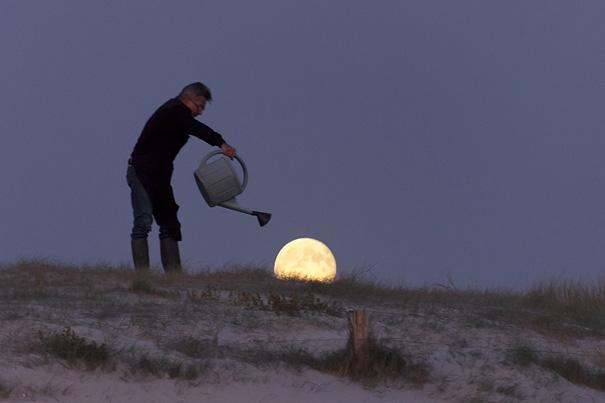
(196, 90)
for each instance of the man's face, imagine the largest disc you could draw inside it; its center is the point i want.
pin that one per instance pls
(196, 105)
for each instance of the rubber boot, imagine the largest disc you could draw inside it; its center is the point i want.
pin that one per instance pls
(171, 259)
(140, 254)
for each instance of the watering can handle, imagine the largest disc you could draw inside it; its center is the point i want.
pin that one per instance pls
(237, 157)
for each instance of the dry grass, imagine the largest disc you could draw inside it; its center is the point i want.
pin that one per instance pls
(74, 349)
(382, 363)
(565, 306)
(5, 390)
(569, 368)
(523, 356)
(562, 305)
(250, 299)
(293, 305)
(143, 285)
(578, 303)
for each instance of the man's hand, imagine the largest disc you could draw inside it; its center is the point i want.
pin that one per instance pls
(228, 150)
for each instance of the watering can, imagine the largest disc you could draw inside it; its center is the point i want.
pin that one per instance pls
(219, 184)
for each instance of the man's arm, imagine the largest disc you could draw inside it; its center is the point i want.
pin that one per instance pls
(203, 132)
(206, 133)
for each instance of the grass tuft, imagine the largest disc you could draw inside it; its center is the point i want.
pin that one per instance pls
(293, 305)
(382, 362)
(566, 367)
(573, 371)
(144, 286)
(74, 349)
(523, 356)
(5, 390)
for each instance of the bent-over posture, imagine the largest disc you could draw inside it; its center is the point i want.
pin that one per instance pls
(150, 171)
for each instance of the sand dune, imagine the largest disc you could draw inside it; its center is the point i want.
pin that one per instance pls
(99, 334)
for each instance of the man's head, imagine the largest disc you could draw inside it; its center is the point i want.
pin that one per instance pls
(195, 96)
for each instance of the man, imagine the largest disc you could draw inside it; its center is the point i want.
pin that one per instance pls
(150, 171)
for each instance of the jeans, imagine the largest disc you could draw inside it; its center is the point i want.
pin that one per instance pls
(164, 213)
(141, 206)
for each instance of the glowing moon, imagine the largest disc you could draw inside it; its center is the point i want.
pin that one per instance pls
(305, 259)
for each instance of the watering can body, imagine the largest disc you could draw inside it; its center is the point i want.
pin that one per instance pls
(219, 184)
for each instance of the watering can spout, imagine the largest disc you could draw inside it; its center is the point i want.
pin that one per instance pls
(263, 218)
(219, 184)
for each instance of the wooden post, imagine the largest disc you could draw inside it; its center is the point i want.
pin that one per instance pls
(358, 326)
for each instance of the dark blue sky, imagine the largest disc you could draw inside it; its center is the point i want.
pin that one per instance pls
(423, 139)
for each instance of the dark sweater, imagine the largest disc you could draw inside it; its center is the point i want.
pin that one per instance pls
(165, 133)
(163, 136)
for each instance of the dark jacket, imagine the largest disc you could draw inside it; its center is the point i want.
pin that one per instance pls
(163, 136)
(165, 133)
